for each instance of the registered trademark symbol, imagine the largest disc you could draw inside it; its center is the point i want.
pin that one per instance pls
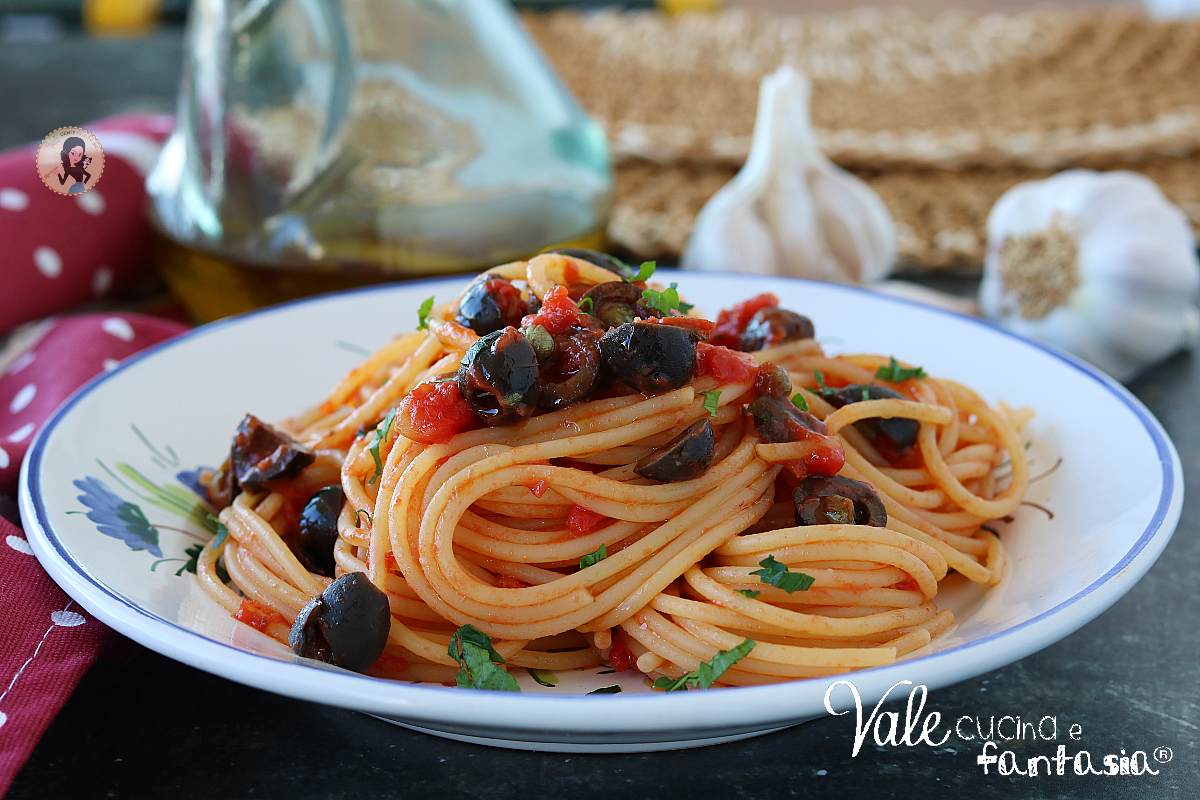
(1163, 754)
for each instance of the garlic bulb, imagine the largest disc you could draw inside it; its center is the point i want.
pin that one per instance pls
(1098, 263)
(790, 211)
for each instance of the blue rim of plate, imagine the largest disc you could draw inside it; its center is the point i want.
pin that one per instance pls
(1171, 494)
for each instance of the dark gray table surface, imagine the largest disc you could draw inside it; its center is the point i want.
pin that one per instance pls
(153, 728)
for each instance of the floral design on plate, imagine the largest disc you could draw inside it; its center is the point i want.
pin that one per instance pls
(124, 519)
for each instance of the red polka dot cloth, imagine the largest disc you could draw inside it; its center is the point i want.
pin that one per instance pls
(57, 253)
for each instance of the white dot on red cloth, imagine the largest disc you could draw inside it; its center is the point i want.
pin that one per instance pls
(47, 261)
(22, 398)
(115, 326)
(92, 202)
(13, 199)
(102, 281)
(3, 458)
(19, 544)
(21, 362)
(3, 719)
(67, 619)
(22, 433)
(110, 364)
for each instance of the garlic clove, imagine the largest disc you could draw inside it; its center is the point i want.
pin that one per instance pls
(735, 239)
(821, 221)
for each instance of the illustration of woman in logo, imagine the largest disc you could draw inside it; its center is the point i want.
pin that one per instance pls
(74, 165)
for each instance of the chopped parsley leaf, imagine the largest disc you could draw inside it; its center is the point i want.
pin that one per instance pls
(585, 305)
(473, 651)
(381, 432)
(423, 314)
(644, 272)
(593, 558)
(821, 387)
(711, 398)
(748, 593)
(222, 534)
(775, 573)
(895, 373)
(707, 673)
(665, 301)
(799, 401)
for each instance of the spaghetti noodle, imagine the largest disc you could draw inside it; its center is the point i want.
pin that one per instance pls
(535, 519)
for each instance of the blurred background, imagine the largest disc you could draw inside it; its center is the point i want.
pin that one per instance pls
(938, 105)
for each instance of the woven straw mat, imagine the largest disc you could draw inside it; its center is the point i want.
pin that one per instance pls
(938, 114)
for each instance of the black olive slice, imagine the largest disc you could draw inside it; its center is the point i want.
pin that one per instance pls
(602, 260)
(346, 625)
(778, 420)
(499, 377)
(615, 303)
(260, 453)
(687, 456)
(649, 357)
(770, 327)
(571, 371)
(822, 500)
(318, 530)
(899, 431)
(490, 304)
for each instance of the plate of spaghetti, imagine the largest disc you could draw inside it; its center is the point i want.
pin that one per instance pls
(570, 504)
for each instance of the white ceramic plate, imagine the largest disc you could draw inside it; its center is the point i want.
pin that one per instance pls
(103, 496)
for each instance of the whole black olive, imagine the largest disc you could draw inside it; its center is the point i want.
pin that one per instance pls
(825, 500)
(602, 260)
(778, 420)
(261, 452)
(489, 304)
(346, 625)
(649, 357)
(900, 432)
(616, 302)
(571, 371)
(319, 531)
(686, 456)
(774, 326)
(499, 377)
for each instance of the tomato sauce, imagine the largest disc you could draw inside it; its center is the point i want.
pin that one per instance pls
(391, 663)
(509, 582)
(540, 488)
(701, 327)
(581, 519)
(433, 412)
(558, 313)
(619, 655)
(727, 366)
(257, 615)
(732, 322)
